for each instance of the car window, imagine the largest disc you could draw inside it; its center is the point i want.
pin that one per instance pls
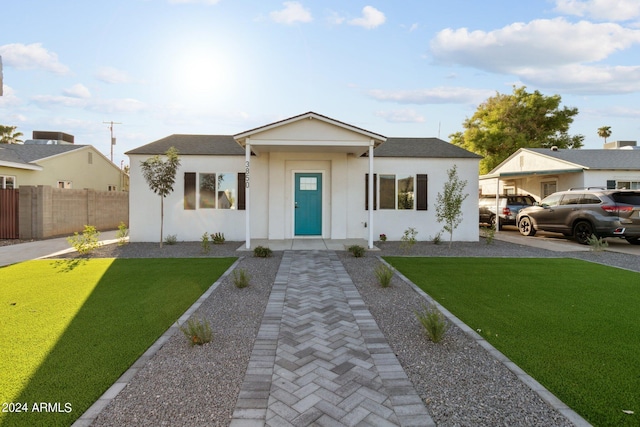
(552, 200)
(590, 199)
(571, 199)
(632, 198)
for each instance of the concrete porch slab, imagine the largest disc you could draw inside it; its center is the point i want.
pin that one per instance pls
(306, 244)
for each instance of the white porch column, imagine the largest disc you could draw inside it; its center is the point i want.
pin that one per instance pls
(247, 195)
(371, 200)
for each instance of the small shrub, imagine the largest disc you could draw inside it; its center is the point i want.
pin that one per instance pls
(198, 331)
(86, 242)
(489, 234)
(205, 243)
(262, 252)
(437, 239)
(122, 234)
(383, 237)
(433, 322)
(241, 278)
(384, 274)
(598, 244)
(217, 238)
(408, 239)
(171, 239)
(356, 250)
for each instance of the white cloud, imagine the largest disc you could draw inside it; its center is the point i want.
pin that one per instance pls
(32, 56)
(293, 12)
(437, 95)
(401, 116)
(602, 10)
(9, 98)
(109, 106)
(334, 18)
(371, 18)
(585, 79)
(112, 75)
(77, 91)
(537, 44)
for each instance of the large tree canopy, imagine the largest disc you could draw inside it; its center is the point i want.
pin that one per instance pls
(504, 123)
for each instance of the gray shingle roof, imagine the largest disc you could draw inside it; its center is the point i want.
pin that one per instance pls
(421, 147)
(225, 145)
(220, 145)
(19, 153)
(596, 159)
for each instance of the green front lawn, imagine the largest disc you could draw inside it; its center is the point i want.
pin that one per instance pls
(572, 325)
(70, 328)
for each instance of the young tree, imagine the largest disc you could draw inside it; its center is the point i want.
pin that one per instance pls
(604, 132)
(161, 175)
(504, 123)
(449, 203)
(8, 135)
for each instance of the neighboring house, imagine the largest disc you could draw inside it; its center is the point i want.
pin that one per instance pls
(59, 164)
(306, 176)
(540, 171)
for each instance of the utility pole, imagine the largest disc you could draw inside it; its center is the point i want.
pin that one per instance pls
(113, 140)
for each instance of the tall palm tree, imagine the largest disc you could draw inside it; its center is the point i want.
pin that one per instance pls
(8, 135)
(604, 132)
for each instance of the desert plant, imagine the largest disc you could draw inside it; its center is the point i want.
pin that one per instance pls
(122, 233)
(356, 250)
(384, 274)
(597, 244)
(204, 242)
(171, 239)
(241, 278)
(437, 239)
(198, 331)
(408, 239)
(86, 242)
(489, 234)
(383, 237)
(262, 252)
(433, 322)
(218, 238)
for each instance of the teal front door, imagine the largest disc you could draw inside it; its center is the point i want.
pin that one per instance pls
(308, 204)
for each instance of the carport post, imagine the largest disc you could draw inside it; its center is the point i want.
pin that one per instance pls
(370, 243)
(247, 164)
(497, 205)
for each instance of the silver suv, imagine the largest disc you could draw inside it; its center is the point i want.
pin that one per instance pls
(582, 213)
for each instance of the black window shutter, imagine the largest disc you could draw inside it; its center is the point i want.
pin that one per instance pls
(421, 192)
(189, 190)
(242, 203)
(366, 191)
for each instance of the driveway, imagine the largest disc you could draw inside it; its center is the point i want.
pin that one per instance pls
(558, 242)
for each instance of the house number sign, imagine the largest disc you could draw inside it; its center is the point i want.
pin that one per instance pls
(246, 174)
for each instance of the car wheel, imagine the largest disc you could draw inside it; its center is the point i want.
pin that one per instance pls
(526, 227)
(633, 240)
(582, 231)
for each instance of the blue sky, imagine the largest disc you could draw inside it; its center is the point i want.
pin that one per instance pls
(398, 68)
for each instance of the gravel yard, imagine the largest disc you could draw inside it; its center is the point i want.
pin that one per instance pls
(459, 381)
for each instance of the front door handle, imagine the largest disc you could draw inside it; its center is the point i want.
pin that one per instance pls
(296, 205)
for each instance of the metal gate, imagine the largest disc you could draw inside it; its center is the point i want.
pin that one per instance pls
(9, 214)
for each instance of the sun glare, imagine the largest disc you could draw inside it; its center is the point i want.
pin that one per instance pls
(202, 73)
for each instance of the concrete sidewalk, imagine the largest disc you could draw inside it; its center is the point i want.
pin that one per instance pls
(20, 252)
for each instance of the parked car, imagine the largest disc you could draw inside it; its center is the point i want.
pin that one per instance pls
(509, 206)
(582, 213)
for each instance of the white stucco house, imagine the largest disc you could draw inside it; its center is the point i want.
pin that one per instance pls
(308, 176)
(542, 171)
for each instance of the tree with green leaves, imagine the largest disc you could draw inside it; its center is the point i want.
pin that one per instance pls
(449, 203)
(604, 132)
(504, 123)
(161, 175)
(8, 135)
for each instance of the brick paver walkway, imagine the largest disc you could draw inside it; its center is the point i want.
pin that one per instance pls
(320, 358)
